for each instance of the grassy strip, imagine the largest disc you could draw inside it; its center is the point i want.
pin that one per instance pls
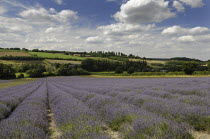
(166, 76)
(63, 61)
(152, 74)
(16, 83)
(147, 75)
(20, 62)
(55, 55)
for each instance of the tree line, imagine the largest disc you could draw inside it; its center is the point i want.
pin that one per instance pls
(39, 70)
(108, 65)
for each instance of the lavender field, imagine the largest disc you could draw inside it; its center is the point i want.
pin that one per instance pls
(106, 108)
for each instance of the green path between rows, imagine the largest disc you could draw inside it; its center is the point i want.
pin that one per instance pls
(16, 82)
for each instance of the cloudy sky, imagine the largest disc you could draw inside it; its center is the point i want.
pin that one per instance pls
(150, 28)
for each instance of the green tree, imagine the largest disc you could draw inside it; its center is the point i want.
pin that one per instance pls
(190, 67)
(131, 70)
(208, 65)
(7, 72)
(119, 70)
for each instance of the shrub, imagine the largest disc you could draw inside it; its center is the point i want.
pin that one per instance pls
(130, 70)
(190, 67)
(20, 76)
(35, 73)
(119, 70)
(7, 71)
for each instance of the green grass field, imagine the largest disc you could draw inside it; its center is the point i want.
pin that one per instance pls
(19, 62)
(151, 74)
(16, 82)
(55, 55)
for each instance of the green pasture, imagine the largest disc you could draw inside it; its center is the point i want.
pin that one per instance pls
(6, 50)
(16, 82)
(151, 74)
(20, 62)
(55, 55)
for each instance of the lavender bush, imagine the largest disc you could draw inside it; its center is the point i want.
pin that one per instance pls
(91, 108)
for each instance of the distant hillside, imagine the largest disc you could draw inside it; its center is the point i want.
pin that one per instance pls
(35, 54)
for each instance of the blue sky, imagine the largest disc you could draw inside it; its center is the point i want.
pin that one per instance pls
(151, 28)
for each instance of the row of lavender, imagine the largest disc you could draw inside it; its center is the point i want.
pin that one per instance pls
(88, 107)
(129, 119)
(11, 97)
(30, 118)
(72, 117)
(23, 111)
(25, 114)
(180, 101)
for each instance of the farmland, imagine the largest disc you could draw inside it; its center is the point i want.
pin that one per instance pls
(96, 108)
(55, 55)
(10, 83)
(63, 61)
(6, 53)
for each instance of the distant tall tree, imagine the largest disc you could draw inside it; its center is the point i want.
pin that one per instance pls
(208, 65)
(131, 70)
(119, 70)
(190, 67)
(7, 72)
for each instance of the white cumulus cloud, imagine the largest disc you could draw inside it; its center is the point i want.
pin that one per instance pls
(94, 40)
(193, 3)
(42, 14)
(144, 11)
(188, 38)
(178, 6)
(177, 30)
(123, 28)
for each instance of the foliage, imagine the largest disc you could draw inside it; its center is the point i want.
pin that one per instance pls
(35, 73)
(26, 67)
(119, 70)
(131, 70)
(7, 71)
(20, 76)
(68, 69)
(187, 66)
(208, 65)
(172, 66)
(107, 65)
(190, 67)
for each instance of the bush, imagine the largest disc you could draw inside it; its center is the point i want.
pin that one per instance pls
(130, 70)
(119, 70)
(7, 72)
(190, 67)
(20, 76)
(49, 74)
(35, 73)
